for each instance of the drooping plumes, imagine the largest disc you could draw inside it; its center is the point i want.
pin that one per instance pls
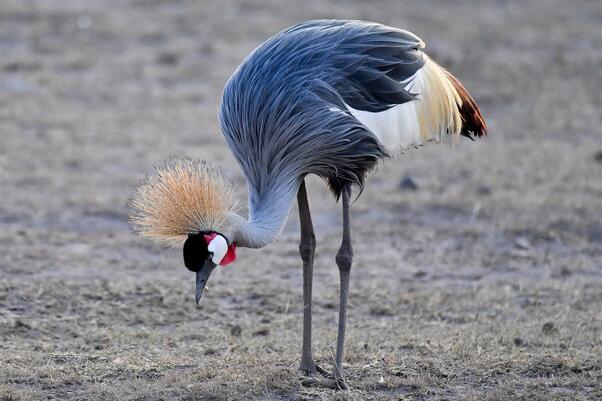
(437, 104)
(332, 98)
(473, 122)
(442, 106)
(181, 197)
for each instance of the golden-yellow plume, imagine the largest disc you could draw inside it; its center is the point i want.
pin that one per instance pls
(180, 197)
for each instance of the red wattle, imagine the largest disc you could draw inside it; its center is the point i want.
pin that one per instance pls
(230, 255)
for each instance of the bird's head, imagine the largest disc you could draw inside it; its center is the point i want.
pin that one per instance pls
(204, 251)
(191, 203)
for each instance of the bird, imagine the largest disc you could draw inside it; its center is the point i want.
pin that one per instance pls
(331, 98)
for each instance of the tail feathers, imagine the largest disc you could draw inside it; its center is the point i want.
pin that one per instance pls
(442, 106)
(473, 123)
(445, 105)
(437, 102)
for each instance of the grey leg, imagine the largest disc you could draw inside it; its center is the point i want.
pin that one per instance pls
(344, 259)
(306, 249)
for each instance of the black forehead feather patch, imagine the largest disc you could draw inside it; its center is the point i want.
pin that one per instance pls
(195, 252)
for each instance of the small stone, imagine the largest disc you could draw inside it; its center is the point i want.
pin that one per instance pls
(408, 184)
(330, 305)
(549, 329)
(261, 332)
(522, 243)
(519, 342)
(378, 310)
(484, 190)
(598, 156)
(168, 58)
(21, 324)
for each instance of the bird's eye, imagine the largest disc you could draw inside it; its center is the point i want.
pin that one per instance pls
(209, 255)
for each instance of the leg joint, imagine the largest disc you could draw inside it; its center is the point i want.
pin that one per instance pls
(307, 247)
(344, 259)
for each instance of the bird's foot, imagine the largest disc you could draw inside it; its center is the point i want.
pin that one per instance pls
(325, 378)
(316, 376)
(339, 379)
(323, 372)
(311, 368)
(324, 381)
(340, 382)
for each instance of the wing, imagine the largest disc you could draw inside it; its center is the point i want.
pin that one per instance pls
(394, 89)
(372, 62)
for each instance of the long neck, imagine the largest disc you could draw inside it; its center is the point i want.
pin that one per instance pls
(268, 211)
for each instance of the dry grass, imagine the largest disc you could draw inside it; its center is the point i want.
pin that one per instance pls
(126, 340)
(482, 284)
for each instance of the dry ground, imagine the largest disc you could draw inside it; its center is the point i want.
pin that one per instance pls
(482, 284)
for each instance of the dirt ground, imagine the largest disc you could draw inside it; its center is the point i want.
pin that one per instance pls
(483, 283)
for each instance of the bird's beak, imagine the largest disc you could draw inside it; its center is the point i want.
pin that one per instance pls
(201, 279)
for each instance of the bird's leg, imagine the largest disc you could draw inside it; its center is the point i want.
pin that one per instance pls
(344, 259)
(306, 249)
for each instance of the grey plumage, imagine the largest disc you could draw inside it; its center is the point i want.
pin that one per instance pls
(284, 112)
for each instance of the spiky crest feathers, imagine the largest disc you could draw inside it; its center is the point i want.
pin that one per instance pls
(181, 197)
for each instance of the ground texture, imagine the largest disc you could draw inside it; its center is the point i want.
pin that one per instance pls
(482, 283)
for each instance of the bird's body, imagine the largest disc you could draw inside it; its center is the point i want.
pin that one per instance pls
(325, 97)
(330, 98)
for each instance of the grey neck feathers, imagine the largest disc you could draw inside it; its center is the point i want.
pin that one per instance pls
(268, 211)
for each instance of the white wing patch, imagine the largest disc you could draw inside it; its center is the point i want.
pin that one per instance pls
(435, 112)
(396, 128)
(219, 247)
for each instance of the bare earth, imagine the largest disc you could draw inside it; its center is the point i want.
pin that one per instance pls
(485, 283)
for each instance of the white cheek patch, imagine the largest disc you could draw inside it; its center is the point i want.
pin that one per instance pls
(218, 246)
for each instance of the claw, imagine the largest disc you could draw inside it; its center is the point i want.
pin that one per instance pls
(323, 372)
(341, 383)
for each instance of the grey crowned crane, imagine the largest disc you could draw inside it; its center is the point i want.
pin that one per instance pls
(326, 97)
